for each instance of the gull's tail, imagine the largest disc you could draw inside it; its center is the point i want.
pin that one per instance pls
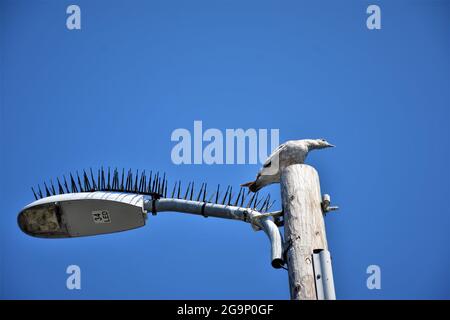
(252, 186)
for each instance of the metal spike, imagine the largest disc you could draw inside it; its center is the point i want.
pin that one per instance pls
(230, 195)
(94, 186)
(74, 185)
(217, 193)
(200, 192)
(115, 181)
(267, 204)
(130, 181)
(244, 196)
(251, 200)
(118, 180)
(125, 180)
(159, 186)
(164, 182)
(264, 203)
(123, 177)
(225, 196)
(116, 171)
(238, 197)
(87, 185)
(149, 189)
(155, 182)
(270, 206)
(103, 180)
(40, 192)
(192, 190)
(34, 193)
(257, 203)
(60, 187)
(143, 182)
(179, 189)
(79, 182)
(174, 188)
(108, 179)
(164, 186)
(108, 186)
(52, 188)
(262, 206)
(99, 182)
(65, 185)
(165, 191)
(46, 190)
(136, 182)
(256, 199)
(133, 185)
(204, 192)
(187, 191)
(144, 186)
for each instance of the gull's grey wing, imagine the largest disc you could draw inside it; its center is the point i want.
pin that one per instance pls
(274, 154)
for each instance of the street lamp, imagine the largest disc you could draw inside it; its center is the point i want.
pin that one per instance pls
(109, 204)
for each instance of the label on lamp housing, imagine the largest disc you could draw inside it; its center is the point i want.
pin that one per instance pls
(101, 216)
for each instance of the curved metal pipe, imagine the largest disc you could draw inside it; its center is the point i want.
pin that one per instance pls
(272, 231)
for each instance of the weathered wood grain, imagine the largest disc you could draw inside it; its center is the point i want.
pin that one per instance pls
(304, 227)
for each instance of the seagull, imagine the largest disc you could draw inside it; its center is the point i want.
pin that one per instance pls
(290, 152)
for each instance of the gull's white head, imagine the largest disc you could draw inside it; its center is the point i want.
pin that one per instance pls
(319, 144)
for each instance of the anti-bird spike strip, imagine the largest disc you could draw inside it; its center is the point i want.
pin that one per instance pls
(155, 186)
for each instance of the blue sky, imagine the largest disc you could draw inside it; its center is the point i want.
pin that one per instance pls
(112, 93)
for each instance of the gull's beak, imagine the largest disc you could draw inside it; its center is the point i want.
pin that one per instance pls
(331, 145)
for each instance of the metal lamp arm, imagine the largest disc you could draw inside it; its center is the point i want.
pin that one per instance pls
(256, 219)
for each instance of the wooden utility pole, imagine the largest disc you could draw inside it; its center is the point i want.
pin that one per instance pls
(304, 229)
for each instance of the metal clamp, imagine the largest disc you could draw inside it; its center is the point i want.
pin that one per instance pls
(326, 200)
(155, 196)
